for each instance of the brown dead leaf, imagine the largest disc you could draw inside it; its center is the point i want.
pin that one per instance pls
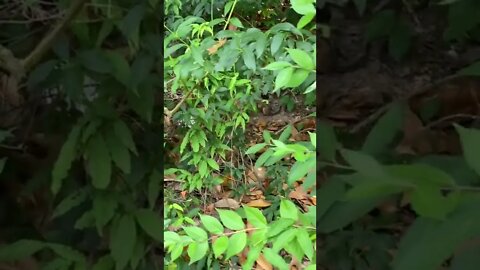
(227, 203)
(216, 46)
(255, 175)
(259, 203)
(263, 264)
(183, 194)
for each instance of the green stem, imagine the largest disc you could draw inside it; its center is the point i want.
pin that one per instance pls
(230, 15)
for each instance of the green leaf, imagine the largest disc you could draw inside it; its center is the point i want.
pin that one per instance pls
(99, 163)
(275, 259)
(429, 202)
(330, 192)
(328, 141)
(277, 41)
(305, 19)
(421, 174)
(213, 164)
(471, 148)
(283, 239)
(279, 226)
(65, 158)
(196, 233)
(231, 219)
(67, 252)
(236, 22)
(150, 222)
(305, 243)
(260, 45)
(212, 224)
(252, 256)
(196, 251)
(122, 241)
(71, 201)
(383, 133)
(20, 250)
(130, 24)
(300, 169)
(104, 206)
(154, 185)
(120, 68)
(220, 245)
(298, 77)
(471, 70)
(365, 165)
(288, 210)
(428, 243)
(263, 158)
(170, 238)
(236, 244)
(123, 132)
(255, 148)
(255, 217)
(118, 151)
(278, 65)
(249, 58)
(302, 58)
(303, 6)
(283, 77)
(104, 263)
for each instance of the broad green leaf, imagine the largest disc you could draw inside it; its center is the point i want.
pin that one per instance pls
(150, 222)
(130, 24)
(305, 243)
(236, 244)
(138, 253)
(20, 250)
(118, 151)
(305, 19)
(196, 251)
(471, 148)
(249, 58)
(71, 201)
(278, 65)
(260, 45)
(255, 217)
(123, 132)
(275, 259)
(341, 214)
(302, 58)
(67, 252)
(421, 174)
(365, 165)
(154, 186)
(255, 148)
(288, 210)
(300, 169)
(104, 206)
(328, 141)
(279, 225)
(235, 21)
(277, 41)
(330, 192)
(283, 77)
(170, 238)
(303, 6)
(196, 233)
(283, 239)
(104, 263)
(428, 201)
(263, 158)
(231, 219)
(122, 241)
(213, 164)
(212, 224)
(428, 243)
(252, 256)
(65, 158)
(383, 133)
(220, 245)
(471, 70)
(365, 188)
(298, 77)
(99, 163)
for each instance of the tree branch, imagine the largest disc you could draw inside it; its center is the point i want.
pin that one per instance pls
(40, 50)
